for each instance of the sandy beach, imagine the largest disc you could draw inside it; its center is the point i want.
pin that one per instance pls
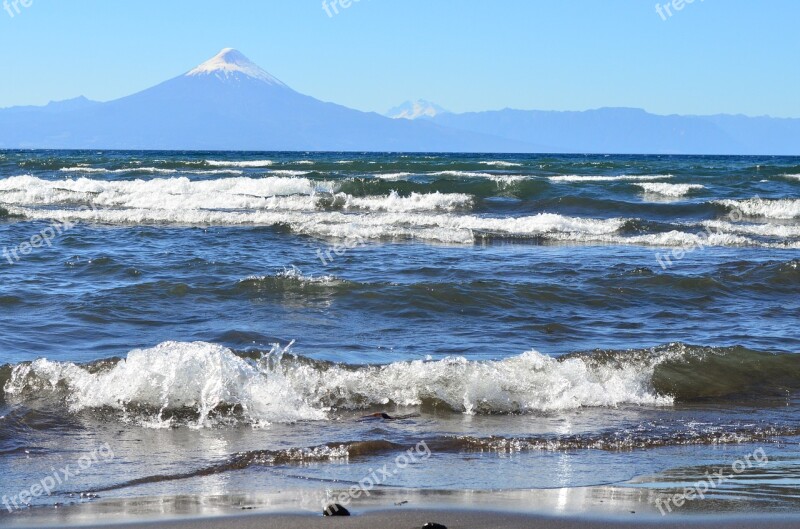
(408, 519)
(591, 507)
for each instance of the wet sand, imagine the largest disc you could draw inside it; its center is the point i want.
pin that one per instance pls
(408, 519)
(593, 507)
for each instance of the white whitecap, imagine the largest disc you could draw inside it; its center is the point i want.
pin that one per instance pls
(619, 178)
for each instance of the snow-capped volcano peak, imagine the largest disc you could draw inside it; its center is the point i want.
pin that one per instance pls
(415, 110)
(229, 63)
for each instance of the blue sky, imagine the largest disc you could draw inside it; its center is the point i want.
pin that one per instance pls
(713, 56)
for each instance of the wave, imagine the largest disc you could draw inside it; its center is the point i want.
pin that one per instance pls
(620, 178)
(467, 174)
(246, 164)
(764, 276)
(268, 458)
(289, 277)
(151, 170)
(644, 437)
(500, 179)
(202, 385)
(641, 438)
(343, 210)
(716, 286)
(206, 378)
(672, 238)
(759, 207)
(393, 176)
(415, 202)
(301, 204)
(298, 215)
(763, 230)
(501, 164)
(167, 194)
(101, 170)
(288, 172)
(182, 194)
(507, 180)
(670, 190)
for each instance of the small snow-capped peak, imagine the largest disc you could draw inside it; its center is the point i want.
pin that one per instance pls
(415, 110)
(230, 62)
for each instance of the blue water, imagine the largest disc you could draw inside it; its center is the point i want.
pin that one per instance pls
(262, 303)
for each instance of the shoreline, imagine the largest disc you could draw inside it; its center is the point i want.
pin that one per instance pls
(590, 507)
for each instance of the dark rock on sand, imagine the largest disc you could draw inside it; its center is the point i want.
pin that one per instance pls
(335, 509)
(431, 525)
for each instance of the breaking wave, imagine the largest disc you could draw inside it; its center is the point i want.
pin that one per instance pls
(415, 202)
(759, 207)
(670, 190)
(201, 384)
(372, 210)
(501, 164)
(620, 178)
(250, 163)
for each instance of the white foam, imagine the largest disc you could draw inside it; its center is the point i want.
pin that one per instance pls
(288, 172)
(393, 176)
(249, 163)
(464, 174)
(670, 190)
(278, 388)
(154, 170)
(81, 169)
(758, 207)
(297, 275)
(507, 180)
(620, 178)
(501, 164)
(415, 202)
(171, 376)
(792, 176)
(170, 194)
(763, 230)
(673, 238)
(303, 205)
(459, 229)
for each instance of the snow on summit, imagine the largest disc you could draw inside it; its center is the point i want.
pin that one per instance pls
(230, 62)
(415, 110)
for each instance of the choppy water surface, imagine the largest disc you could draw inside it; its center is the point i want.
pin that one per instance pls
(224, 321)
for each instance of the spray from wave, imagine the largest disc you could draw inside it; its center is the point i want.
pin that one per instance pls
(760, 207)
(208, 383)
(201, 384)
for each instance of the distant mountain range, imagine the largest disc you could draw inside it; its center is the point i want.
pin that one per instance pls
(229, 103)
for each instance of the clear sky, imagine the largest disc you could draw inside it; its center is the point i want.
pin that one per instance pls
(713, 56)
